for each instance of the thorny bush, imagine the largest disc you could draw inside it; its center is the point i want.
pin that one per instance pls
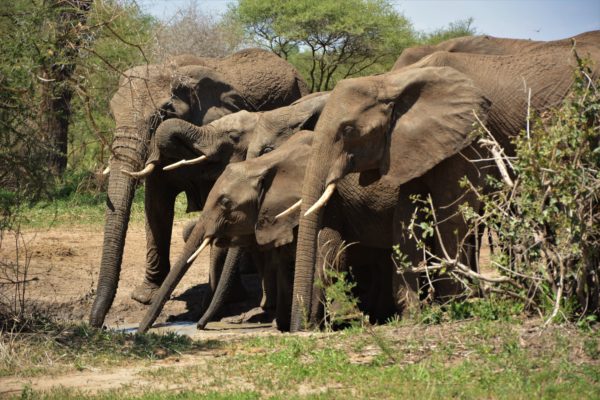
(543, 215)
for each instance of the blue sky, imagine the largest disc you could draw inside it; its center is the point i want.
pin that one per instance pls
(526, 19)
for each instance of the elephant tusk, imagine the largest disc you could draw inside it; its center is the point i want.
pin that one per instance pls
(322, 200)
(106, 171)
(141, 174)
(205, 243)
(184, 162)
(290, 210)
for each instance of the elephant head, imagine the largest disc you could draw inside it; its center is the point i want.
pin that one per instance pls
(396, 125)
(244, 207)
(193, 89)
(233, 137)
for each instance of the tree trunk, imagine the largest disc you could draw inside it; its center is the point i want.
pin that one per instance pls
(56, 70)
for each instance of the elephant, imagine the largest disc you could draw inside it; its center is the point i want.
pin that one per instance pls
(198, 90)
(246, 207)
(231, 138)
(397, 126)
(487, 45)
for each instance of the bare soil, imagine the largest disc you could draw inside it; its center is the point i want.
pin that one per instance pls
(63, 266)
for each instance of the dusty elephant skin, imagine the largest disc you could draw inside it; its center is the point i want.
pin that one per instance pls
(197, 90)
(401, 124)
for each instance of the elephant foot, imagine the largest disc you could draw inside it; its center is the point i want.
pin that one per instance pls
(256, 315)
(144, 292)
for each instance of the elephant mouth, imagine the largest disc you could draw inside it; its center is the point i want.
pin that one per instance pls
(236, 241)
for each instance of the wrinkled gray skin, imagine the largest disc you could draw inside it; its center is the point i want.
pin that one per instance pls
(242, 206)
(198, 90)
(230, 139)
(486, 45)
(401, 124)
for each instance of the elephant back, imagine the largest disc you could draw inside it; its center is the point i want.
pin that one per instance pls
(264, 79)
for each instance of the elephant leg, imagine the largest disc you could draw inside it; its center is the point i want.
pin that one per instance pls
(236, 290)
(269, 281)
(453, 240)
(159, 208)
(285, 286)
(330, 256)
(405, 284)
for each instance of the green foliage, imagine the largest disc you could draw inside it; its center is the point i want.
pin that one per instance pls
(121, 36)
(542, 215)
(546, 222)
(327, 40)
(340, 304)
(110, 39)
(463, 27)
(493, 308)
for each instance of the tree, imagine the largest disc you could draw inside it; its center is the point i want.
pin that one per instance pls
(63, 31)
(327, 40)
(191, 31)
(58, 71)
(463, 27)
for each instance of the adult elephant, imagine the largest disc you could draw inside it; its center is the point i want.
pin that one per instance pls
(249, 206)
(198, 90)
(399, 125)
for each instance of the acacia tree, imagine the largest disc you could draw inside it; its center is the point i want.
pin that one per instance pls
(463, 27)
(327, 40)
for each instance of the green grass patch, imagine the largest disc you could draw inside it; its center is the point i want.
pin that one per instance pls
(85, 209)
(468, 359)
(53, 349)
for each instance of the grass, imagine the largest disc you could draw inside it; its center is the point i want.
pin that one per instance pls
(85, 209)
(49, 349)
(473, 358)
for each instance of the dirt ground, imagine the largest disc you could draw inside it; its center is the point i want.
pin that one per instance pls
(63, 273)
(62, 276)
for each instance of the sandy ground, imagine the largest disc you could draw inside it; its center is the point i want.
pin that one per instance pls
(63, 272)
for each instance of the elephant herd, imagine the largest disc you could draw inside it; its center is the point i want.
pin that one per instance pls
(286, 178)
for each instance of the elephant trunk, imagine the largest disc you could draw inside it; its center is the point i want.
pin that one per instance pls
(179, 139)
(304, 274)
(128, 156)
(173, 278)
(226, 281)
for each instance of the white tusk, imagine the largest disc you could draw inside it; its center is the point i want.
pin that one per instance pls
(106, 171)
(322, 200)
(205, 243)
(141, 174)
(184, 162)
(290, 210)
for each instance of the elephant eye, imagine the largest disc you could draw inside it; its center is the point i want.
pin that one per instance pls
(225, 202)
(349, 131)
(265, 150)
(234, 136)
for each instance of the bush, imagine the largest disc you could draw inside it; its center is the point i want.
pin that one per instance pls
(544, 213)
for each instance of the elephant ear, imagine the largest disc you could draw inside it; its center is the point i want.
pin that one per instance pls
(282, 189)
(271, 232)
(305, 112)
(433, 118)
(212, 89)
